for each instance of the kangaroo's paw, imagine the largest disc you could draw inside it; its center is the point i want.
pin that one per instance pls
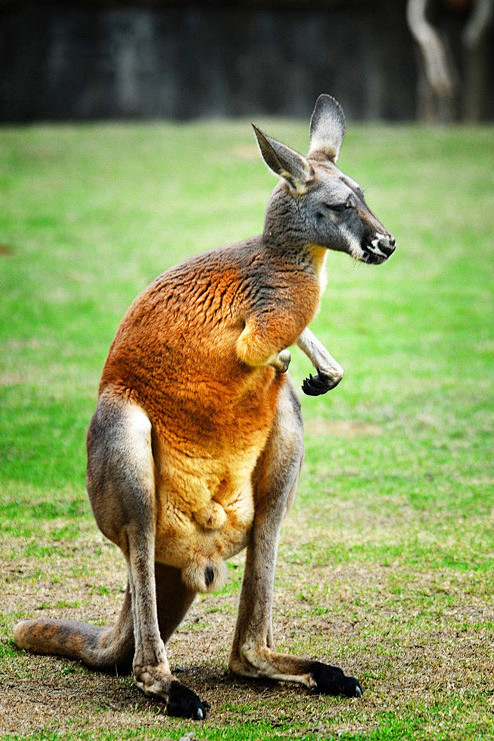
(330, 680)
(323, 382)
(180, 701)
(282, 361)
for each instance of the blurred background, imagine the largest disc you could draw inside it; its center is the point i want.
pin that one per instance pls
(382, 59)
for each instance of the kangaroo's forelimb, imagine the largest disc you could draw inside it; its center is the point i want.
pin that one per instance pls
(329, 371)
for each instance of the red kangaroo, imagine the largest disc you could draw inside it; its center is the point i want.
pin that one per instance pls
(196, 444)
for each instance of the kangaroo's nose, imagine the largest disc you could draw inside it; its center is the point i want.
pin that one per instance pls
(387, 244)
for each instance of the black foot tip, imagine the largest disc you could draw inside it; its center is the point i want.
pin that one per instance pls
(183, 703)
(330, 680)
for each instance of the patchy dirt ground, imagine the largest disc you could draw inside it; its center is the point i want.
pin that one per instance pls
(416, 641)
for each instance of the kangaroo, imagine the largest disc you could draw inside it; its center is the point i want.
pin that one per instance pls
(196, 444)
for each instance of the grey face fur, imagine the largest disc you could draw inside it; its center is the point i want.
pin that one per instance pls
(316, 203)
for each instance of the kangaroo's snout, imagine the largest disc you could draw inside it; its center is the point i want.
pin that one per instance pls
(379, 249)
(387, 244)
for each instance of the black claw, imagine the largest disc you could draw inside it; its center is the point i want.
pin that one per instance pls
(317, 385)
(183, 703)
(330, 680)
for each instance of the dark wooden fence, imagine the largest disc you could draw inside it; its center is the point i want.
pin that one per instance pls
(87, 61)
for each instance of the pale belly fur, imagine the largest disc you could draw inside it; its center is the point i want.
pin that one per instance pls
(205, 509)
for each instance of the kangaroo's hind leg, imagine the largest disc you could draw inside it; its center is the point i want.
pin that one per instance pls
(275, 484)
(121, 486)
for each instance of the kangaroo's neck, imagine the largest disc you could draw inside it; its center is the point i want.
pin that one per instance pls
(318, 256)
(286, 234)
(309, 258)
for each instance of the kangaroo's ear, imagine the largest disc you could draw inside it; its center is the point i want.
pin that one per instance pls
(285, 162)
(327, 127)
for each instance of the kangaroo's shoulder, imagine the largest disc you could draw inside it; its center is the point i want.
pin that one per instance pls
(193, 298)
(225, 264)
(229, 279)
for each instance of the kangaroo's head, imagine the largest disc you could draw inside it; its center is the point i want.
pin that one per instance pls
(316, 203)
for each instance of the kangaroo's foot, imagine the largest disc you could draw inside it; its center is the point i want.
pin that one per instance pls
(318, 677)
(180, 701)
(330, 680)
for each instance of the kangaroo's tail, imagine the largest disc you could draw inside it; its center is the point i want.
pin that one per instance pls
(97, 647)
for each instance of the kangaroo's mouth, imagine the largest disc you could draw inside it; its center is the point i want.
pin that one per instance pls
(372, 258)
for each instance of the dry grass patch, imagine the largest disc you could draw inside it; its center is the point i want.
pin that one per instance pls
(416, 640)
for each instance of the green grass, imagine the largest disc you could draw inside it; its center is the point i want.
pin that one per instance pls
(387, 559)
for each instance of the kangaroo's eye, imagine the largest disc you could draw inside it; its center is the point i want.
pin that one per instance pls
(340, 207)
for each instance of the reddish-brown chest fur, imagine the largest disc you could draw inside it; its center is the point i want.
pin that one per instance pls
(175, 350)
